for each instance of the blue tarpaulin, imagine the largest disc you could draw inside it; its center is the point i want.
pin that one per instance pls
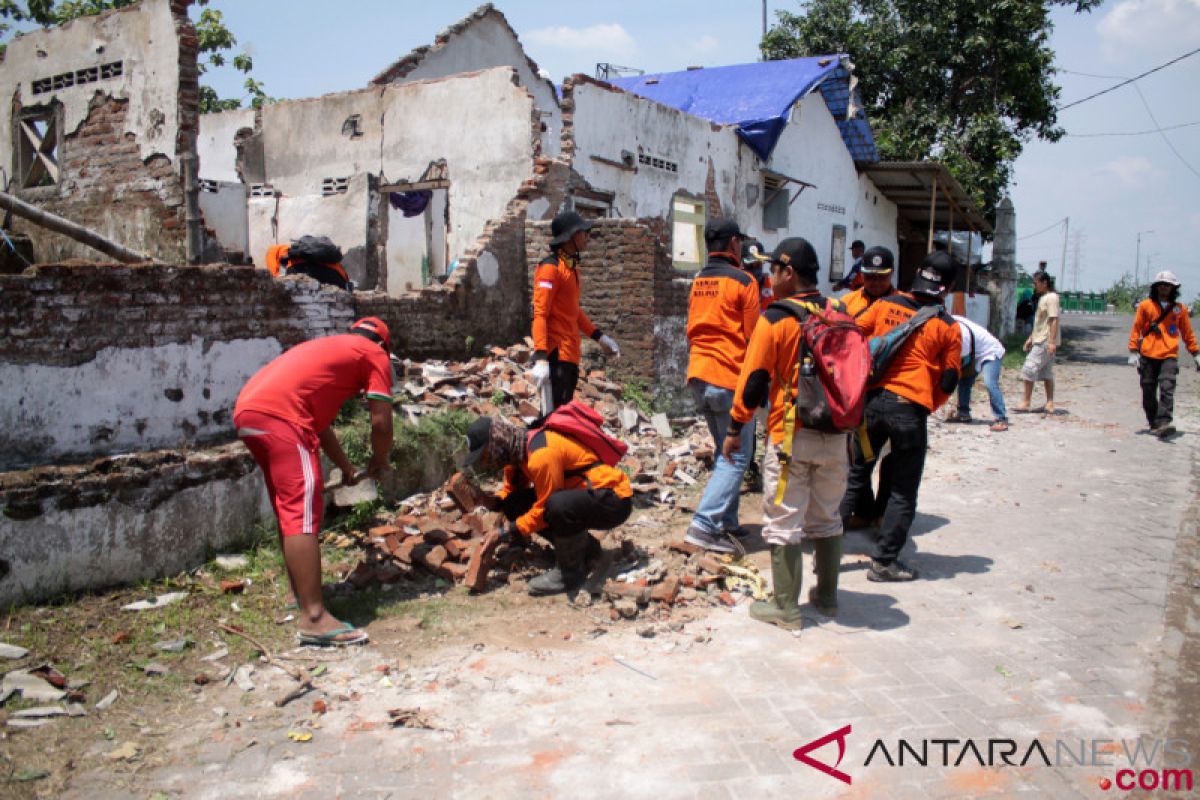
(758, 98)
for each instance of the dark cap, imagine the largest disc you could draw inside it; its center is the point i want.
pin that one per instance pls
(478, 436)
(722, 228)
(878, 261)
(856, 243)
(566, 225)
(798, 254)
(936, 274)
(754, 254)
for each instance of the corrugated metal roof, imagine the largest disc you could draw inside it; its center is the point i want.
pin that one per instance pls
(910, 185)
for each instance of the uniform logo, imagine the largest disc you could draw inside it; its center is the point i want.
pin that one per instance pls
(801, 754)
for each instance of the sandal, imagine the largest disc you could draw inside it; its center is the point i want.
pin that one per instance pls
(998, 427)
(331, 639)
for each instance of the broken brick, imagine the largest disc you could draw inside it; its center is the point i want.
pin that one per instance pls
(407, 547)
(362, 576)
(319, 707)
(453, 570)
(481, 562)
(466, 494)
(383, 531)
(435, 557)
(666, 591)
(639, 594)
(710, 564)
(233, 586)
(727, 599)
(528, 409)
(455, 548)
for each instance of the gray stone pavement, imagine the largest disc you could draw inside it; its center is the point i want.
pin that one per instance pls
(1044, 552)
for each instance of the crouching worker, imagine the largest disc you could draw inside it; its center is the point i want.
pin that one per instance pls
(283, 415)
(553, 486)
(814, 473)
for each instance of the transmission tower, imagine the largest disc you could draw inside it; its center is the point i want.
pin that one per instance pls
(1078, 240)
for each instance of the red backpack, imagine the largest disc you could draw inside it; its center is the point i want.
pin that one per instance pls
(580, 422)
(829, 389)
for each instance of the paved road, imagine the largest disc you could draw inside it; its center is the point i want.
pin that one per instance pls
(1048, 556)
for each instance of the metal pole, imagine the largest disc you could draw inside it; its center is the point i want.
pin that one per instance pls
(1066, 228)
(194, 241)
(932, 213)
(764, 17)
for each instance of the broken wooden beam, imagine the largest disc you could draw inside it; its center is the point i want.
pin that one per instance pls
(55, 223)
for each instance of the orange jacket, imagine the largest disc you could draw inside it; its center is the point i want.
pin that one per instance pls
(770, 366)
(916, 371)
(859, 301)
(277, 261)
(557, 317)
(722, 313)
(556, 462)
(1162, 342)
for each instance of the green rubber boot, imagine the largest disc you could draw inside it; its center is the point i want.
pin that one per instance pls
(827, 553)
(787, 572)
(568, 574)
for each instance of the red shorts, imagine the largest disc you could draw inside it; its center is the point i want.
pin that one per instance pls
(291, 465)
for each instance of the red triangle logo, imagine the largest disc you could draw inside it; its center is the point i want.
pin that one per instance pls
(801, 754)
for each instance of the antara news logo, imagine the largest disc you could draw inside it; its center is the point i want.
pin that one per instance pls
(1144, 764)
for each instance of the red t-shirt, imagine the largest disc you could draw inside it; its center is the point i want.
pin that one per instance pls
(308, 384)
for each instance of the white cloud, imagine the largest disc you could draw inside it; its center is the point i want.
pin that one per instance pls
(1131, 171)
(1138, 27)
(706, 44)
(609, 40)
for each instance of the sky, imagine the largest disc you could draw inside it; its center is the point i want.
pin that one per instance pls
(1111, 187)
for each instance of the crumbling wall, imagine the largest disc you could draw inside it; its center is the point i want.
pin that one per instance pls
(123, 519)
(631, 291)
(116, 97)
(98, 359)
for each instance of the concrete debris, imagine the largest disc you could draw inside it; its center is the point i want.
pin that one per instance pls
(157, 602)
(232, 562)
(39, 712)
(108, 700)
(173, 645)
(241, 677)
(31, 687)
(155, 670)
(12, 651)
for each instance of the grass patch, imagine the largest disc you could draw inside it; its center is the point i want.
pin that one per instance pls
(422, 453)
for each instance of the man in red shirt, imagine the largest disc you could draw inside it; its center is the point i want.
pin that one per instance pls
(283, 414)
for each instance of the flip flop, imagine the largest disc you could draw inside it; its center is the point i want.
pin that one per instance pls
(330, 639)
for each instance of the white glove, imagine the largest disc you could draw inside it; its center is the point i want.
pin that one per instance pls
(540, 373)
(1133, 359)
(610, 344)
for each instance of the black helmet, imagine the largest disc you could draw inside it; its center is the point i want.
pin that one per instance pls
(878, 261)
(936, 275)
(566, 225)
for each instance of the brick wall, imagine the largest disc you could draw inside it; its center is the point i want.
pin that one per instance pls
(629, 290)
(64, 314)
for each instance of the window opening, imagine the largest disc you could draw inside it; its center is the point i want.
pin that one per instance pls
(687, 234)
(37, 146)
(837, 253)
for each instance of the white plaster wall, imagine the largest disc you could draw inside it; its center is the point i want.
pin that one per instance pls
(120, 399)
(113, 543)
(142, 37)
(609, 121)
(488, 42)
(225, 212)
(480, 125)
(341, 217)
(811, 149)
(218, 156)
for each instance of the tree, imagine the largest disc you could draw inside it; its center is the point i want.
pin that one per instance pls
(216, 40)
(965, 82)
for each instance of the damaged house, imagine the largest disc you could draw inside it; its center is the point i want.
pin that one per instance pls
(118, 380)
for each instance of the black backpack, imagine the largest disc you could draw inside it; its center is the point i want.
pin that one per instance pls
(315, 249)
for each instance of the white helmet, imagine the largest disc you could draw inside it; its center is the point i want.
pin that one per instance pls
(1167, 277)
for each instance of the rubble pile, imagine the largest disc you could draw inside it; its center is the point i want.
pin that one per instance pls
(451, 534)
(659, 461)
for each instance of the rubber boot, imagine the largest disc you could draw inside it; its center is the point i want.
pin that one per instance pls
(787, 573)
(827, 552)
(569, 573)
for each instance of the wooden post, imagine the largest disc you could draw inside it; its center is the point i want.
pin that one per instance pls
(67, 228)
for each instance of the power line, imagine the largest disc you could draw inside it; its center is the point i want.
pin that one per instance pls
(1164, 136)
(1130, 80)
(1043, 230)
(1132, 133)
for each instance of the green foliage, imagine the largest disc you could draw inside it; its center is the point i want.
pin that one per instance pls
(635, 391)
(965, 82)
(216, 41)
(498, 398)
(422, 453)
(1125, 293)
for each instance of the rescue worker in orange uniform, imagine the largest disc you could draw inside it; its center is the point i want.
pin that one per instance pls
(877, 267)
(554, 486)
(1160, 322)
(815, 469)
(757, 261)
(722, 313)
(918, 381)
(557, 318)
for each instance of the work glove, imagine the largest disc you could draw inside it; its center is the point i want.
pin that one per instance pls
(610, 344)
(1133, 359)
(509, 533)
(540, 373)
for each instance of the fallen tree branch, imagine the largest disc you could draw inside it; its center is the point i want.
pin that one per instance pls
(297, 673)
